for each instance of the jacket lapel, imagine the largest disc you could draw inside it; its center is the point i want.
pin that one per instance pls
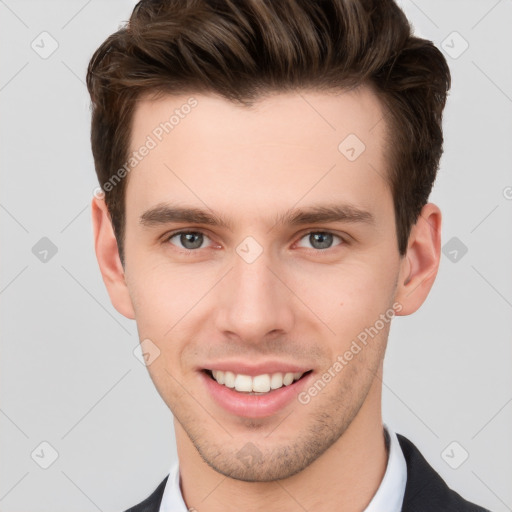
(151, 503)
(425, 490)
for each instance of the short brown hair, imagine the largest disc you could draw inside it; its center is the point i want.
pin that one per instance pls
(245, 49)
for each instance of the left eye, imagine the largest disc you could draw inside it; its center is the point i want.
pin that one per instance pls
(320, 239)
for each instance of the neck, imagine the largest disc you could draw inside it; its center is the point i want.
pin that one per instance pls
(346, 476)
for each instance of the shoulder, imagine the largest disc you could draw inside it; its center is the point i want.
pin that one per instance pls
(152, 502)
(425, 489)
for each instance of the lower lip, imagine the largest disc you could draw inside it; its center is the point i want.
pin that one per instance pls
(253, 406)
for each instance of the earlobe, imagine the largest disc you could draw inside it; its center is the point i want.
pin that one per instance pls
(107, 254)
(421, 262)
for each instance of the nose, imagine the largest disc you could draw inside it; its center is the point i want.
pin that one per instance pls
(254, 303)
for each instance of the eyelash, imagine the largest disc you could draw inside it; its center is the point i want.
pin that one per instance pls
(343, 240)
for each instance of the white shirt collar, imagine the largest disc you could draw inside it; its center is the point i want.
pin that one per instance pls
(390, 494)
(172, 499)
(388, 498)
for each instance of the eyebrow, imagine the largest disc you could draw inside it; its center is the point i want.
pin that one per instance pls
(164, 214)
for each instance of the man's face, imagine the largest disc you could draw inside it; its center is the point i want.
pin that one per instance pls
(261, 296)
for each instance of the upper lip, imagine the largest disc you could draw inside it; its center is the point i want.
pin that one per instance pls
(252, 369)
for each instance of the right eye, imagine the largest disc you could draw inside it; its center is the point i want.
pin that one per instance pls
(188, 240)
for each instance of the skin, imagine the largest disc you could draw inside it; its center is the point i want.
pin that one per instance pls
(295, 303)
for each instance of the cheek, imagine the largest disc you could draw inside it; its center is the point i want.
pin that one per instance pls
(348, 297)
(163, 301)
(163, 294)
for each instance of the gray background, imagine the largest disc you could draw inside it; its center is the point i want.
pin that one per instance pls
(68, 373)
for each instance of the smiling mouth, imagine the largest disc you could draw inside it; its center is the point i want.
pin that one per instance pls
(255, 385)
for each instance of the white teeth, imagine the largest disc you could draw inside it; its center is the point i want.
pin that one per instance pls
(261, 383)
(258, 384)
(229, 379)
(276, 381)
(243, 383)
(218, 376)
(287, 379)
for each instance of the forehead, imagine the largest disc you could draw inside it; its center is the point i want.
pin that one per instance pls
(275, 117)
(205, 149)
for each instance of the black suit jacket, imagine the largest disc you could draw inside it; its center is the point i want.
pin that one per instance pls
(425, 490)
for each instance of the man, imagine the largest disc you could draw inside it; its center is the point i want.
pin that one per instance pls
(265, 168)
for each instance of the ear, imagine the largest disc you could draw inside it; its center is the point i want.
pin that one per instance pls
(420, 264)
(107, 254)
